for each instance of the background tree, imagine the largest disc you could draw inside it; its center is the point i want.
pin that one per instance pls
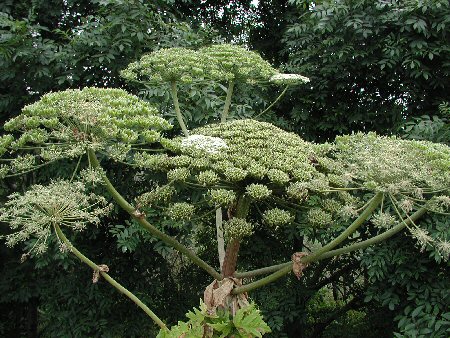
(373, 63)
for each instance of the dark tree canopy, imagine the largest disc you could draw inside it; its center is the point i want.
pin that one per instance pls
(371, 64)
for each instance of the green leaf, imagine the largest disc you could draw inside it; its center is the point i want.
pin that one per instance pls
(249, 321)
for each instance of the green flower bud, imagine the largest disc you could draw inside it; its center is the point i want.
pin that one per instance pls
(178, 174)
(297, 191)
(181, 211)
(258, 191)
(278, 176)
(235, 174)
(156, 196)
(276, 217)
(319, 217)
(207, 178)
(222, 197)
(237, 228)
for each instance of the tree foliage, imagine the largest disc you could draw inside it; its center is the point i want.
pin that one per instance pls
(372, 63)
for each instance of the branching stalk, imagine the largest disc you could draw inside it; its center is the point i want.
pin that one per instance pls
(176, 104)
(108, 278)
(371, 206)
(374, 203)
(140, 218)
(285, 268)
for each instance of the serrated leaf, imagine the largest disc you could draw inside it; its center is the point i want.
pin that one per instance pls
(249, 321)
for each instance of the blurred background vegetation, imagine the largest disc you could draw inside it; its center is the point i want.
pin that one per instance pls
(374, 66)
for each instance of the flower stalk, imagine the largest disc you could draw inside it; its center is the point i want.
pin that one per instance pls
(108, 278)
(140, 218)
(226, 107)
(176, 104)
(285, 268)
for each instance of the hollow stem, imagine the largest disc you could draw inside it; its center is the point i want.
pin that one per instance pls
(261, 271)
(147, 226)
(176, 104)
(108, 278)
(232, 251)
(76, 168)
(371, 206)
(226, 107)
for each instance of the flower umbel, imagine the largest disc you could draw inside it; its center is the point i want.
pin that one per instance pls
(61, 203)
(202, 142)
(288, 79)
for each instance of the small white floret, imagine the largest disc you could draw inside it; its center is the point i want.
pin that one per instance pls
(202, 142)
(289, 79)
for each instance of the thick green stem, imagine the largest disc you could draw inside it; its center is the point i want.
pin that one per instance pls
(150, 228)
(285, 268)
(376, 239)
(176, 104)
(273, 103)
(374, 203)
(226, 107)
(261, 271)
(371, 206)
(108, 278)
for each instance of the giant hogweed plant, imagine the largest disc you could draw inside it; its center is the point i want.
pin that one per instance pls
(251, 174)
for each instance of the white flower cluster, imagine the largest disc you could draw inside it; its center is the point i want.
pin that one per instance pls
(206, 143)
(424, 239)
(383, 220)
(288, 79)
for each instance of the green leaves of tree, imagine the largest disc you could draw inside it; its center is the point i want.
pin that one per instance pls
(370, 62)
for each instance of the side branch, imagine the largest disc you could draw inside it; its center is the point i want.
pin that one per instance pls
(285, 268)
(150, 228)
(371, 206)
(108, 278)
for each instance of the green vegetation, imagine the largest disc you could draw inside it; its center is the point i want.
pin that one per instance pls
(230, 209)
